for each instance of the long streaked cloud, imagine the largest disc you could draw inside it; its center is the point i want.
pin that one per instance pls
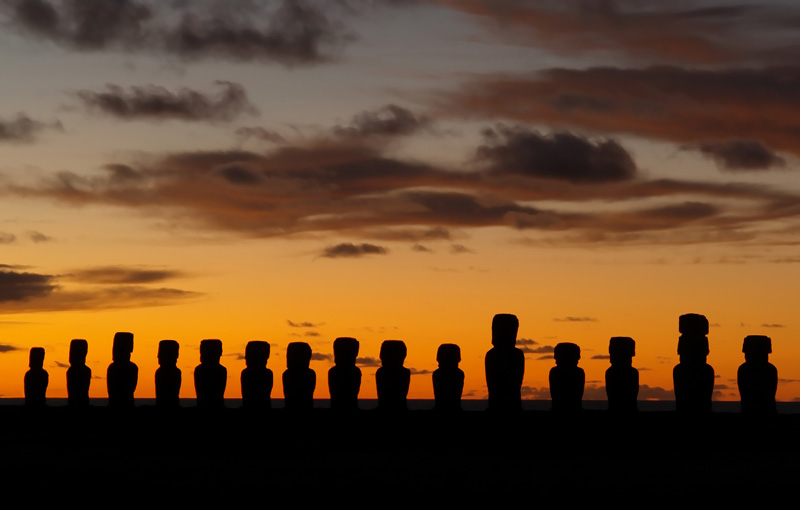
(121, 275)
(651, 31)
(151, 102)
(288, 32)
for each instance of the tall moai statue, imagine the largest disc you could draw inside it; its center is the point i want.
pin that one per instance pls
(79, 376)
(299, 380)
(210, 377)
(505, 365)
(123, 374)
(448, 379)
(392, 378)
(757, 377)
(36, 379)
(567, 379)
(692, 377)
(168, 375)
(622, 380)
(256, 378)
(344, 377)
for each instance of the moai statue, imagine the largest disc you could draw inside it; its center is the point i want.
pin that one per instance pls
(210, 378)
(692, 377)
(567, 378)
(622, 380)
(505, 365)
(344, 378)
(122, 374)
(299, 380)
(79, 376)
(168, 375)
(757, 377)
(392, 378)
(448, 379)
(36, 379)
(256, 377)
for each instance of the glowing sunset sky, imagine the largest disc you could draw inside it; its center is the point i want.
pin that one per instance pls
(302, 170)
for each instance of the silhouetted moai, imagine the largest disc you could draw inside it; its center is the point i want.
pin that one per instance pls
(210, 378)
(692, 377)
(79, 376)
(36, 379)
(299, 380)
(757, 377)
(344, 378)
(123, 374)
(567, 378)
(392, 378)
(256, 377)
(168, 375)
(622, 380)
(448, 379)
(505, 365)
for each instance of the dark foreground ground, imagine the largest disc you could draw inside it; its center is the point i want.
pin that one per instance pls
(419, 458)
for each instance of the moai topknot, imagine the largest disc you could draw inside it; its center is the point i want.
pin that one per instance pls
(567, 378)
(122, 375)
(210, 378)
(622, 380)
(392, 378)
(168, 375)
(299, 380)
(448, 379)
(344, 378)
(256, 377)
(757, 377)
(692, 377)
(36, 379)
(79, 376)
(505, 365)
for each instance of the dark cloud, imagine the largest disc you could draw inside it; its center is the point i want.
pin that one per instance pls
(24, 129)
(368, 362)
(601, 356)
(120, 275)
(561, 156)
(645, 31)
(773, 326)
(62, 365)
(311, 333)
(350, 250)
(647, 392)
(7, 238)
(304, 324)
(388, 121)
(457, 249)
(421, 248)
(534, 393)
(414, 371)
(664, 103)
(526, 341)
(16, 286)
(38, 237)
(151, 102)
(575, 319)
(8, 348)
(740, 155)
(544, 349)
(259, 133)
(289, 32)
(317, 356)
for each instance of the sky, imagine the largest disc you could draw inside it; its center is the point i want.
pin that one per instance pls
(301, 170)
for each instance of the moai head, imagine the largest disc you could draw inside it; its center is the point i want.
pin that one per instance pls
(448, 356)
(393, 353)
(36, 358)
(210, 351)
(621, 350)
(298, 355)
(504, 330)
(256, 354)
(345, 351)
(122, 347)
(693, 343)
(77, 352)
(567, 354)
(757, 348)
(168, 353)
